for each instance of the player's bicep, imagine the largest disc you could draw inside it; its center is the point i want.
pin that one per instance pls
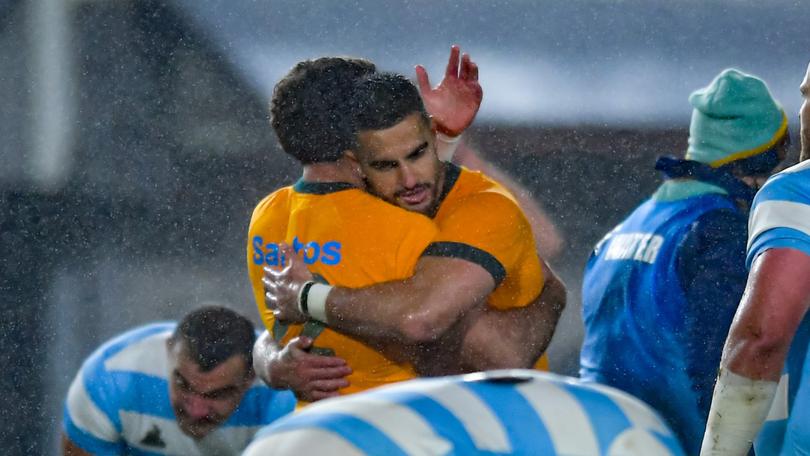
(455, 285)
(779, 276)
(775, 301)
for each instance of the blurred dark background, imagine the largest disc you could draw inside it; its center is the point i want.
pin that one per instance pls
(134, 141)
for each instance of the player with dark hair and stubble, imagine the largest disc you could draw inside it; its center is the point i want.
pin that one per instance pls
(478, 296)
(164, 388)
(352, 238)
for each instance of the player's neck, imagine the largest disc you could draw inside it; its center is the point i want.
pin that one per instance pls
(339, 171)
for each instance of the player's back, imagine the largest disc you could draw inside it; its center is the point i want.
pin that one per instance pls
(499, 412)
(348, 238)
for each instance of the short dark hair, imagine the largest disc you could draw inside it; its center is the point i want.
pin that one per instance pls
(310, 110)
(213, 334)
(382, 100)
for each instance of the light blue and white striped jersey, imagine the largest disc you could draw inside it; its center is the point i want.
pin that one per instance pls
(499, 412)
(119, 403)
(780, 214)
(780, 218)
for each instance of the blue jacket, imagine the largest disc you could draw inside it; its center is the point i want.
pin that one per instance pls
(659, 295)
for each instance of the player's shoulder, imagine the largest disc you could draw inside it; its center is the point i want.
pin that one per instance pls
(127, 351)
(477, 192)
(261, 405)
(792, 184)
(784, 196)
(137, 335)
(280, 197)
(474, 181)
(471, 183)
(780, 213)
(801, 167)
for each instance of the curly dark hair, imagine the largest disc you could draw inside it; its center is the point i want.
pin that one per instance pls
(310, 109)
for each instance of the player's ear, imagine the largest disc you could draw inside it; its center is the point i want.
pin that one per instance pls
(250, 376)
(351, 157)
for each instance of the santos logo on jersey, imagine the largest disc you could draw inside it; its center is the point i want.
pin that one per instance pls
(269, 254)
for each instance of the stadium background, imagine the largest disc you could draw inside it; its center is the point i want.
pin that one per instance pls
(134, 141)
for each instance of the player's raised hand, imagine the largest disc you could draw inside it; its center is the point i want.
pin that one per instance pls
(311, 377)
(453, 103)
(282, 287)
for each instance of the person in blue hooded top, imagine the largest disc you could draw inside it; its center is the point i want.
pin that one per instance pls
(660, 290)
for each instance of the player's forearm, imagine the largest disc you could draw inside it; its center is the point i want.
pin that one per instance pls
(752, 354)
(407, 314)
(493, 342)
(515, 338)
(539, 324)
(373, 312)
(444, 355)
(739, 407)
(758, 341)
(413, 311)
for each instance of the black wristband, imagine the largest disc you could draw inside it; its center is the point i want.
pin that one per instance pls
(302, 303)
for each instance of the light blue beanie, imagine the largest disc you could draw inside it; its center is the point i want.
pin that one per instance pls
(733, 118)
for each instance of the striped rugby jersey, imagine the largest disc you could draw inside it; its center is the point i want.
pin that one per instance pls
(499, 412)
(780, 218)
(119, 403)
(780, 214)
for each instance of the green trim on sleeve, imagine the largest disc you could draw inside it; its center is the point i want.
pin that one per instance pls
(469, 253)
